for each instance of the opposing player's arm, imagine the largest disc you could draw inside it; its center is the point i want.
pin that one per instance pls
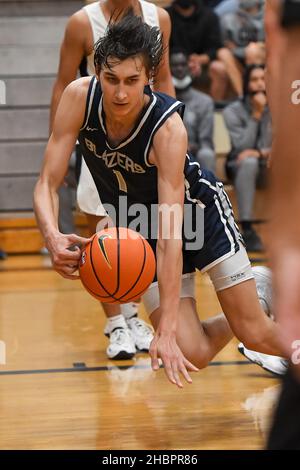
(163, 80)
(68, 121)
(283, 55)
(169, 151)
(73, 49)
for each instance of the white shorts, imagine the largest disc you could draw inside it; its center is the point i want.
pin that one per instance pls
(88, 198)
(227, 273)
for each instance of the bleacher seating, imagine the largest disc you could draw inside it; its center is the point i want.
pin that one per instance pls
(30, 34)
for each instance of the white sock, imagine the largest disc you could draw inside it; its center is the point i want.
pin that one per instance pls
(129, 310)
(118, 321)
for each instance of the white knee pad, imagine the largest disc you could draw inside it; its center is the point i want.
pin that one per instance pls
(151, 297)
(231, 271)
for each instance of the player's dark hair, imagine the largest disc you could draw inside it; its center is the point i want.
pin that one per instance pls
(130, 37)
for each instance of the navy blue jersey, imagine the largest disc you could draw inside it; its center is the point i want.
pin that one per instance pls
(290, 13)
(125, 169)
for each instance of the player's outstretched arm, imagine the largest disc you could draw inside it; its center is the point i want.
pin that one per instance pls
(68, 121)
(169, 151)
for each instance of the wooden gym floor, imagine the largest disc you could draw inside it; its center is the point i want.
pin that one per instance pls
(59, 391)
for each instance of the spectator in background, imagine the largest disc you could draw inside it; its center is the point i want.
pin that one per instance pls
(3, 255)
(249, 126)
(243, 33)
(222, 7)
(198, 114)
(196, 29)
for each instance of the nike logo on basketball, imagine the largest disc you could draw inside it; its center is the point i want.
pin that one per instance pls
(102, 248)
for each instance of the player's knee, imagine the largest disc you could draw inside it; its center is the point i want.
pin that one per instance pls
(200, 358)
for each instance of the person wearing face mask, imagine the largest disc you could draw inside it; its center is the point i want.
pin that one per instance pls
(199, 111)
(196, 29)
(243, 32)
(249, 125)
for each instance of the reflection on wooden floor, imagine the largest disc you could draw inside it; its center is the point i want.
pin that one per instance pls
(59, 391)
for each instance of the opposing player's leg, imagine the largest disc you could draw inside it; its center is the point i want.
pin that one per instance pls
(199, 341)
(237, 293)
(274, 364)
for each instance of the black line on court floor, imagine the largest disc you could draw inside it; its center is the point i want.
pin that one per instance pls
(104, 368)
(19, 269)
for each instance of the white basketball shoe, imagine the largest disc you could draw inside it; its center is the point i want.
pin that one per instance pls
(121, 344)
(274, 364)
(141, 333)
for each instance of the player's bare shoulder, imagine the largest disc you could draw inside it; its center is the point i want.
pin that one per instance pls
(173, 128)
(78, 19)
(169, 139)
(78, 89)
(73, 102)
(78, 30)
(164, 18)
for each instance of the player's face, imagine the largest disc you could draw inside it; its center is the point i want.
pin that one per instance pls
(257, 81)
(123, 86)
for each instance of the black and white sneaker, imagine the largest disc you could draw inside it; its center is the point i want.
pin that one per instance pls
(274, 364)
(121, 344)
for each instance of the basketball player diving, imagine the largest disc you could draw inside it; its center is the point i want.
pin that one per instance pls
(135, 145)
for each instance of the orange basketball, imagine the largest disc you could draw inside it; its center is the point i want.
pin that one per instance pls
(117, 266)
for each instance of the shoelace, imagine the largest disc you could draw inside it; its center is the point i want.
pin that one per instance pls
(141, 326)
(118, 335)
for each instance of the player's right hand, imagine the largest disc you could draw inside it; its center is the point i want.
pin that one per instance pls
(65, 252)
(164, 345)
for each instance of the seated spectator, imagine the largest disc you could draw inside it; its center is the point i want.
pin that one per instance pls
(196, 29)
(243, 32)
(249, 125)
(198, 114)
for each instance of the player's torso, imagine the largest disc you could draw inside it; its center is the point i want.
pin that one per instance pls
(126, 169)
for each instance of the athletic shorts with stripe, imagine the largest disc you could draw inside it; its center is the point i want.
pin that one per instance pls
(223, 255)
